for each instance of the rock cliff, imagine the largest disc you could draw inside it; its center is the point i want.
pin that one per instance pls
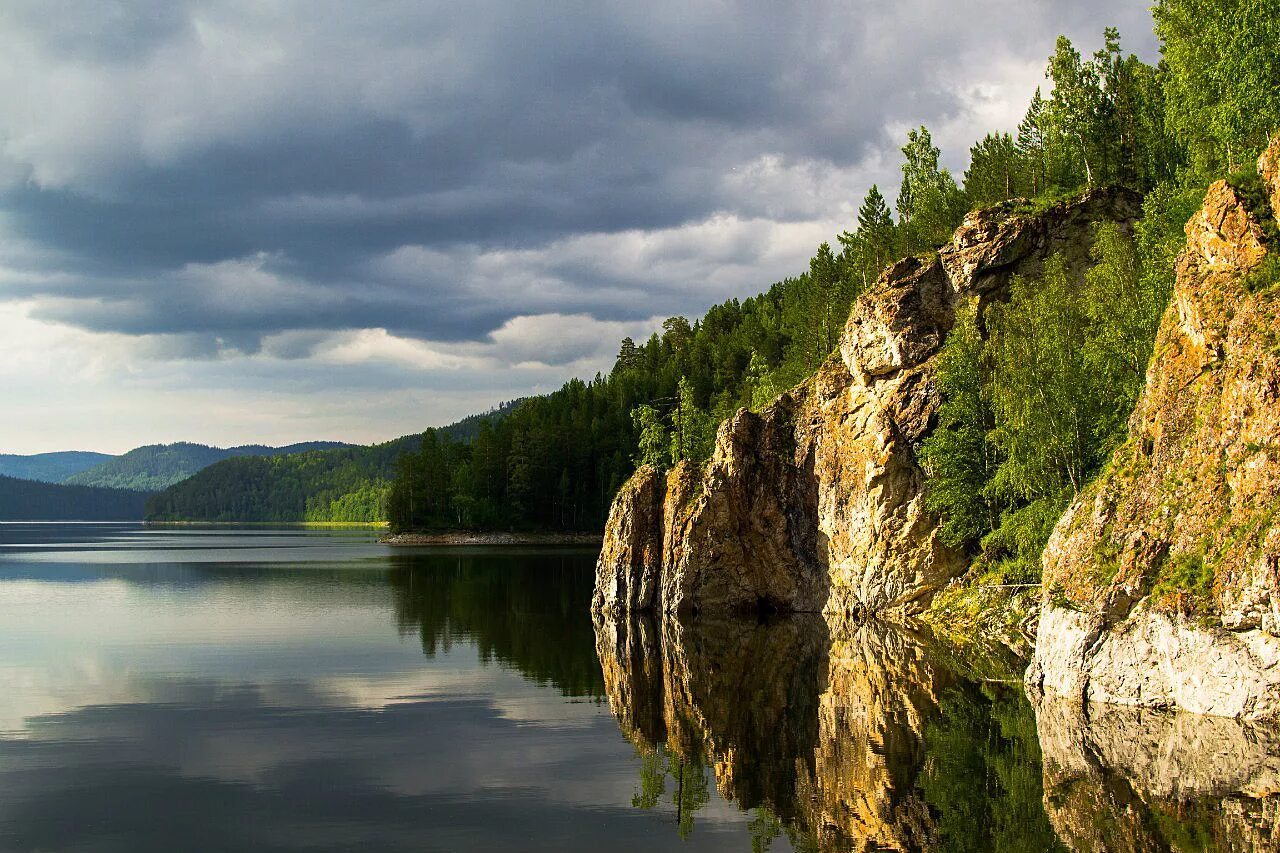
(816, 502)
(1162, 580)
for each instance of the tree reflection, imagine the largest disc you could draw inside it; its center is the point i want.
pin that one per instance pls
(528, 611)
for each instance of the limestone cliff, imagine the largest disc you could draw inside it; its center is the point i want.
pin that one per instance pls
(816, 502)
(1162, 580)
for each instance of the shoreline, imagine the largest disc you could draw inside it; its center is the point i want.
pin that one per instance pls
(365, 525)
(463, 537)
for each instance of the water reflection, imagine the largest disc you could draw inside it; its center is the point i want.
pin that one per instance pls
(1127, 779)
(863, 736)
(268, 690)
(849, 736)
(279, 690)
(532, 614)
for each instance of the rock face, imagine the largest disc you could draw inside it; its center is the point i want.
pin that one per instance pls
(1162, 580)
(816, 503)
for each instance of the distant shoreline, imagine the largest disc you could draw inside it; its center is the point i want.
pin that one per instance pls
(367, 525)
(464, 537)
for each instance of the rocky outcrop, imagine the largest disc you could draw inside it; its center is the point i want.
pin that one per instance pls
(816, 502)
(1162, 580)
(1134, 779)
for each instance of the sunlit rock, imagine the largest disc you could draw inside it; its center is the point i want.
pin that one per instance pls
(816, 502)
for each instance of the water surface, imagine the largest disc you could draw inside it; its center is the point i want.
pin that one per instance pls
(263, 689)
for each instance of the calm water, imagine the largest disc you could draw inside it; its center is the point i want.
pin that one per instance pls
(222, 689)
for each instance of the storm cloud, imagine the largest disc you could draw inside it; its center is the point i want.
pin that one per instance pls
(213, 194)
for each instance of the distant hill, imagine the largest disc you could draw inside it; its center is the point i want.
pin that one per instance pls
(158, 466)
(344, 484)
(29, 500)
(50, 467)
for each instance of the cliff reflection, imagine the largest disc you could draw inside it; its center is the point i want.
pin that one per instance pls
(1128, 779)
(843, 736)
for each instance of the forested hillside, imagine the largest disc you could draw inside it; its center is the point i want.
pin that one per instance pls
(158, 466)
(49, 467)
(29, 500)
(345, 483)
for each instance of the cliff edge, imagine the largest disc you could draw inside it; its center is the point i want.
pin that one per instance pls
(816, 502)
(1162, 579)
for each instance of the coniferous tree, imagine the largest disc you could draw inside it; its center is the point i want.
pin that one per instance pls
(1031, 144)
(995, 170)
(872, 247)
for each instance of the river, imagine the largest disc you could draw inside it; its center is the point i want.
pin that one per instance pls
(287, 689)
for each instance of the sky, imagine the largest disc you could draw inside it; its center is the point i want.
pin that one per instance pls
(230, 221)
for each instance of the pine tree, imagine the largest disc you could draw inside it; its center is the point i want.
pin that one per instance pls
(995, 170)
(1031, 142)
(875, 225)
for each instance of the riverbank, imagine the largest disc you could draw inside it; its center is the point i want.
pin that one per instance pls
(314, 525)
(465, 537)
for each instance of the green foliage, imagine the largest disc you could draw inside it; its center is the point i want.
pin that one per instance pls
(930, 204)
(692, 429)
(345, 483)
(1222, 88)
(1160, 233)
(653, 442)
(997, 171)
(1266, 276)
(1188, 580)
(957, 457)
(31, 500)
(1030, 414)
(983, 776)
(1103, 122)
(874, 245)
(1122, 309)
(1014, 547)
(1046, 401)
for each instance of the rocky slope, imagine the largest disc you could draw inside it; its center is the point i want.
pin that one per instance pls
(1162, 580)
(815, 503)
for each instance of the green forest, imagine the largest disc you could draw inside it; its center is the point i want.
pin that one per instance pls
(31, 500)
(157, 466)
(348, 483)
(1028, 418)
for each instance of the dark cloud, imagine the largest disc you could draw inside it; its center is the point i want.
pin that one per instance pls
(225, 171)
